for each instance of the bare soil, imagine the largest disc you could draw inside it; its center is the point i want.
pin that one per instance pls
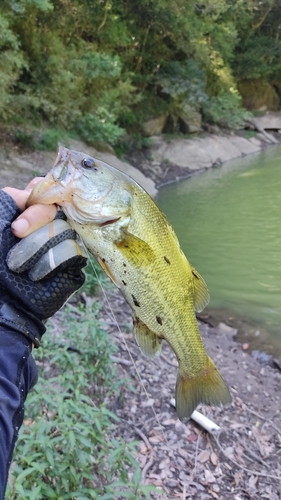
(240, 462)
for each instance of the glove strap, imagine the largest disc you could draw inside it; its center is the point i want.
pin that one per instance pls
(11, 317)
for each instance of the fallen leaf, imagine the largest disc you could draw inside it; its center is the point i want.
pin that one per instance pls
(210, 478)
(192, 437)
(169, 421)
(156, 439)
(253, 481)
(203, 456)
(214, 458)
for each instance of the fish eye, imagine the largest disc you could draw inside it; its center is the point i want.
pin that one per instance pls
(88, 163)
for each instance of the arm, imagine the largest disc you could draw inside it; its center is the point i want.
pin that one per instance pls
(22, 318)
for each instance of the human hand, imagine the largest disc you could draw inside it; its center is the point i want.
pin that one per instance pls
(24, 304)
(33, 217)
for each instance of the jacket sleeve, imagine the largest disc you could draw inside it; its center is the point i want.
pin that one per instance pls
(18, 374)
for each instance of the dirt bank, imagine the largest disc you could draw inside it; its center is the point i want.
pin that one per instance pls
(241, 462)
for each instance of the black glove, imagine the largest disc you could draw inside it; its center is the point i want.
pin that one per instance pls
(26, 304)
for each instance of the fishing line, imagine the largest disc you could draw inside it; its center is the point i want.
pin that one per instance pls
(130, 355)
(119, 330)
(125, 343)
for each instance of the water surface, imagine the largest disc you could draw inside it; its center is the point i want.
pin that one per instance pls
(228, 221)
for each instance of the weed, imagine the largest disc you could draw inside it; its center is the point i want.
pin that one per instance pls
(65, 450)
(95, 277)
(50, 138)
(24, 139)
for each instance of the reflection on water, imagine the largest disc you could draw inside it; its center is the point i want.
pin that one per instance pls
(228, 221)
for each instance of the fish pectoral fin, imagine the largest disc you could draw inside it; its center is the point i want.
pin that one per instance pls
(149, 343)
(137, 251)
(201, 295)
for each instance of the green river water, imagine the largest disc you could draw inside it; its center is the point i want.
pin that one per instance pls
(228, 221)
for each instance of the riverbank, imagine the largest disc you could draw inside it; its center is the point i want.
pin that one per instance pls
(172, 159)
(166, 160)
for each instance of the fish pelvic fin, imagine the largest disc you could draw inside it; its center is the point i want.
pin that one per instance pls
(208, 387)
(201, 295)
(149, 342)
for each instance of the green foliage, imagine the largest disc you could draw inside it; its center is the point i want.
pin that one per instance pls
(99, 127)
(49, 139)
(24, 138)
(260, 58)
(43, 140)
(184, 82)
(65, 449)
(95, 277)
(98, 68)
(225, 110)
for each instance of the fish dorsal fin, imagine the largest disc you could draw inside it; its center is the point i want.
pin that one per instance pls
(149, 343)
(201, 295)
(136, 250)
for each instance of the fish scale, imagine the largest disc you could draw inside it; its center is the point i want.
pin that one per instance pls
(136, 246)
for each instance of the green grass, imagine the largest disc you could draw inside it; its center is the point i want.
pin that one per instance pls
(66, 450)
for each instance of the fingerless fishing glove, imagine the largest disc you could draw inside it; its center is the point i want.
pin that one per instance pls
(44, 270)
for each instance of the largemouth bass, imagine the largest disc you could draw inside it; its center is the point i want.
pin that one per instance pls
(137, 248)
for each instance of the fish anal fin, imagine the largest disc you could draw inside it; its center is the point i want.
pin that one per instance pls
(136, 250)
(201, 295)
(149, 343)
(207, 388)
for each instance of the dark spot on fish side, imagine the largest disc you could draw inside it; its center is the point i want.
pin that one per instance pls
(124, 264)
(154, 342)
(136, 302)
(126, 245)
(159, 320)
(124, 283)
(194, 274)
(167, 260)
(103, 260)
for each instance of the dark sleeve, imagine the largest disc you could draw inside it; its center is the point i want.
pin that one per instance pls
(18, 374)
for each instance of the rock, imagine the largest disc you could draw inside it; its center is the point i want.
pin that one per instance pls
(155, 126)
(223, 328)
(262, 357)
(270, 121)
(189, 120)
(258, 94)
(200, 153)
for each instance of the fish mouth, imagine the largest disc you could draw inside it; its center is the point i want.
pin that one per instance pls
(46, 192)
(52, 188)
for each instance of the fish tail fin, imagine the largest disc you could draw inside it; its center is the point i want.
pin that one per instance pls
(207, 387)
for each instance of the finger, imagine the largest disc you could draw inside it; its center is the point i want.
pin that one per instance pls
(33, 183)
(32, 219)
(18, 195)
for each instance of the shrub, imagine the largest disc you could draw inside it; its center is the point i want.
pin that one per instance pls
(225, 110)
(99, 127)
(65, 449)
